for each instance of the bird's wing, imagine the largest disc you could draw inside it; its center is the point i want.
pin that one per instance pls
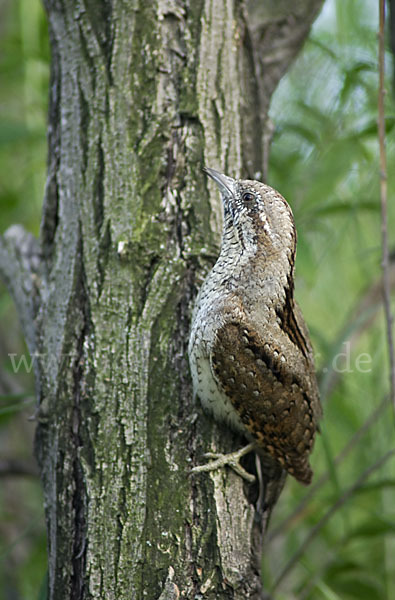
(315, 396)
(293, 326)
(275, 404)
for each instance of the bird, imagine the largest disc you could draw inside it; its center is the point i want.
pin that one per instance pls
(250, 355)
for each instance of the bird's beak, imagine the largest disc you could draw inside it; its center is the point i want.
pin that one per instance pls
(226, 184)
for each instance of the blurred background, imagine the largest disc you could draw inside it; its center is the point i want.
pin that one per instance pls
(24, 77)
(324, 160)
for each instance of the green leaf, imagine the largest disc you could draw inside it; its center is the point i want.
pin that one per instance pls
(18, 402)
(360, 587)
(352, 78)
(314, 41)
(339, 567)
(307, 133)
(372, 528)
(377, 485)
(338, 208)
(370, 127)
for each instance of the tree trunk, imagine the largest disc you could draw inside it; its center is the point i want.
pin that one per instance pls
(142, 96)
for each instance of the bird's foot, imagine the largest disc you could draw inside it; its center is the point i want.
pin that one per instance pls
(231, 460)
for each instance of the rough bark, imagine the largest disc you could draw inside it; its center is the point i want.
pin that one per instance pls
(142, 95)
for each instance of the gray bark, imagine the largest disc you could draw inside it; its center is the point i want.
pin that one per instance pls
(142, 95)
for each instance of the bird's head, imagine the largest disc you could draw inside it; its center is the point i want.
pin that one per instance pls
(256, 216)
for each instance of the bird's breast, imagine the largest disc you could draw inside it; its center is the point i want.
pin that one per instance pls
(212, 398)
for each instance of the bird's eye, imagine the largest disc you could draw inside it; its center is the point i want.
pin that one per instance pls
(248, 197)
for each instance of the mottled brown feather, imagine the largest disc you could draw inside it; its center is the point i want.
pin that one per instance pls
(275, 404)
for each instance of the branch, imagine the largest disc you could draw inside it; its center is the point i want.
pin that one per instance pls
(20, 270)
(14, 467)
(383, 199)
(278, 32)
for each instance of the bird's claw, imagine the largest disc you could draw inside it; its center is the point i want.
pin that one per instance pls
(231, 460)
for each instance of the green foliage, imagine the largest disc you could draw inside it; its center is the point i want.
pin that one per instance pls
(24, 59)
(325, 162)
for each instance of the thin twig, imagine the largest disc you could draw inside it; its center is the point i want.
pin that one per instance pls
(383, 200)
(338, 504)
(13, 467)
(21, 271)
